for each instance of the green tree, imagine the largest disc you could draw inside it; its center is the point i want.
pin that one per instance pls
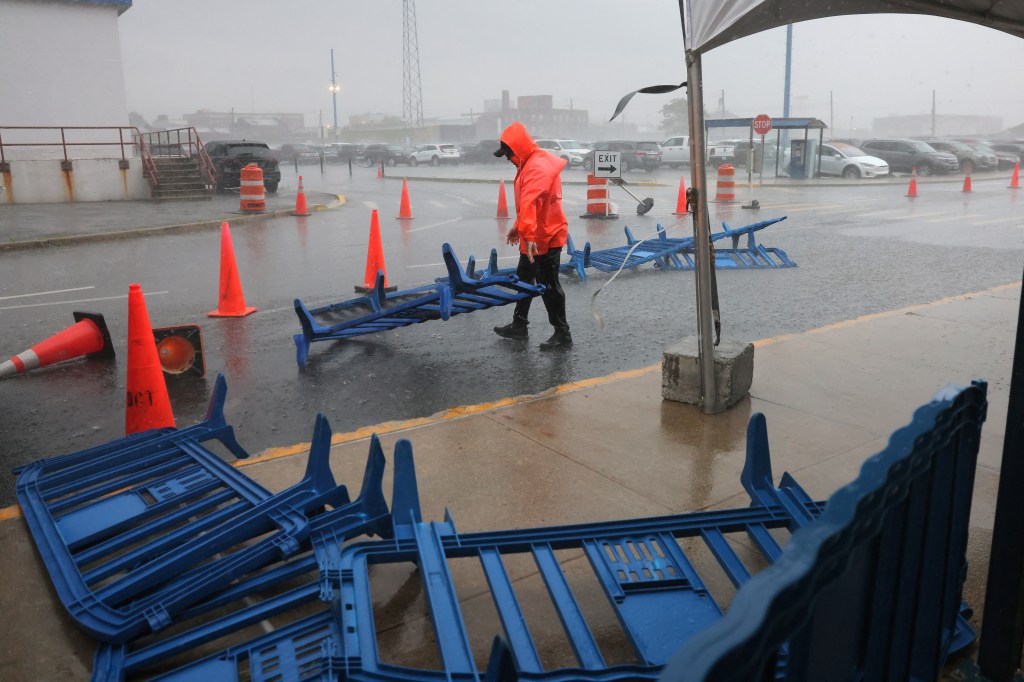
(675, 118)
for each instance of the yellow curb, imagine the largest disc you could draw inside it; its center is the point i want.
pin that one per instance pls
(270, 454)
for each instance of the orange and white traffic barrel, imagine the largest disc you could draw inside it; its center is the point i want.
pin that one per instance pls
(726, 190)
(251, 196)
(598, 205)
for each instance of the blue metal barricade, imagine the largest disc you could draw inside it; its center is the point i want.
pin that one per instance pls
(377, 311)
(872, 589)
(139, 529)
(296, 598)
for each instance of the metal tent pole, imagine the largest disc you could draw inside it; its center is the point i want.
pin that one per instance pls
(701, 233)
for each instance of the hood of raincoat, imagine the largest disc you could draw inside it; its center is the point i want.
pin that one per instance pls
(520, 142)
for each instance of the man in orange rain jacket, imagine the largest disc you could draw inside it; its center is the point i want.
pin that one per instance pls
(540, 230)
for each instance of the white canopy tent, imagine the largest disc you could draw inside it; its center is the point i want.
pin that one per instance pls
(711, 23)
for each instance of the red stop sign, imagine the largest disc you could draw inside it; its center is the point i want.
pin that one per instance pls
(762, 124)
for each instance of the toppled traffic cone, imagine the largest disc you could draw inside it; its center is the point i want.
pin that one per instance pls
(374, 259)
(912, 190)
(180, 350)
(300, 201)
(1015, 180)
(231, 301)
(147, 405)
(967, 182)
(681, 199)
(502, 202)
(88, 337)
(405, 208)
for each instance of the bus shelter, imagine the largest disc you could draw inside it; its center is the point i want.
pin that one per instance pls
(804, 156)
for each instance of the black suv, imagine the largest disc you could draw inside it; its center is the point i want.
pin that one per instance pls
(230, 156)
(481, 152)
(905, 155)
(389, 154)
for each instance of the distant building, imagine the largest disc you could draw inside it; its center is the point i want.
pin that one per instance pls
(945, 125)
(536, 112)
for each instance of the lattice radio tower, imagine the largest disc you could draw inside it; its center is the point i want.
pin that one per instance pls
(412, 88)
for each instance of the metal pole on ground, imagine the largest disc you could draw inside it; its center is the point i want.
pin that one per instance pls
(701, 233)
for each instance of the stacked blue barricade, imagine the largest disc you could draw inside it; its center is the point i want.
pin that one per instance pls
(185, 569)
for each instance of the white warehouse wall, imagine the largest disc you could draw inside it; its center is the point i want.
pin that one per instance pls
(61, 66)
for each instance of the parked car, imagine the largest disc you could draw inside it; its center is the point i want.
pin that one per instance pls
(435, 154)
(298, 153)
(481, 152)
(230, 156)
(845, 160)
(649, 155)
(388, 154)
(570, 150)
(343, 151)
(628, 157)
(904, 155)
(970, 159)
(675, 151)
(1004, 160)
(1010, 147)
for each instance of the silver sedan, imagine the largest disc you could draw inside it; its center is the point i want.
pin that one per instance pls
(839, 158)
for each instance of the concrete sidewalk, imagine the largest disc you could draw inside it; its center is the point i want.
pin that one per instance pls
(611, 448)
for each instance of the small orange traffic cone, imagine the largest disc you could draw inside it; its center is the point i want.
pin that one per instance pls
(681, 199)
(912, 191)
(147, 405)
(231, 302)
(300, 201)
(88, 336)
(502, 202)
(405, 208)
(1015, 180)
(374, 259)
(380, 171)
(967, 182)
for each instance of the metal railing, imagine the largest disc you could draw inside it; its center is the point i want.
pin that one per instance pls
(127, 147)
(180, 143)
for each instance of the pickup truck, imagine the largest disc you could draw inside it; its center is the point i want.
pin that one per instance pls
(675, 152)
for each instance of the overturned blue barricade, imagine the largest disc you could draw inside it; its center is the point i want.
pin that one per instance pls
(449, 296)
(871, 590)
(906, 515)
(298, 597)
(141, 529)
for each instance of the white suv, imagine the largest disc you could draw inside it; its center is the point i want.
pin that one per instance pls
(570, 150)
(435, 154)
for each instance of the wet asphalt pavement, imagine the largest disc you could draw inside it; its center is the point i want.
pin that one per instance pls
(860, 249)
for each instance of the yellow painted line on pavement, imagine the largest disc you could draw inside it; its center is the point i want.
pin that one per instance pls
(14, 511)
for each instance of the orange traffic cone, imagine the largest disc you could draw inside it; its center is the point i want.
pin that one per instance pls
(232, 300)
(88, 336)
(1015, 180)
(380, 171)
(405, 208)
(681, 199)
(374, 259)
(147, 405)
(300, 201)
(912, 191)
(502, 201)
(967, 182)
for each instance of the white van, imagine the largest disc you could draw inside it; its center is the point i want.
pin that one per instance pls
(675, 151)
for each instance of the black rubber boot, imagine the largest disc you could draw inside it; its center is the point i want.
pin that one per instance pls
(517, 330)
(560, 339)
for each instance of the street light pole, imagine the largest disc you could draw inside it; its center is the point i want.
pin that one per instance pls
(334, 94)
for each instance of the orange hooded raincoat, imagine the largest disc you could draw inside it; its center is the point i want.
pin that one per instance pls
(538, 192)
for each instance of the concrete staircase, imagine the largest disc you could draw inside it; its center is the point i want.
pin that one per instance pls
(180, 178)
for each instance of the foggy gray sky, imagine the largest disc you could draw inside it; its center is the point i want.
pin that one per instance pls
(275, 56)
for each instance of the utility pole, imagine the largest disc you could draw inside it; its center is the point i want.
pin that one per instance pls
(831, 112)
(334, 94)
(412, 87)
(933, 113)
(789, 71)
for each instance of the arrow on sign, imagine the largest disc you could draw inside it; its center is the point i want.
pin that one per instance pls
(606, 169)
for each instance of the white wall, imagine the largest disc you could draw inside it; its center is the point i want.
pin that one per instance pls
(60, 66)
(43, 181)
